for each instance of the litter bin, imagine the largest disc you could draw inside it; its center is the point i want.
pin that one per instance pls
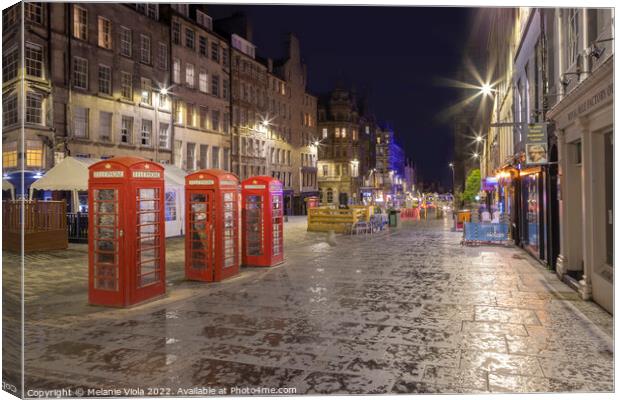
(394, 217)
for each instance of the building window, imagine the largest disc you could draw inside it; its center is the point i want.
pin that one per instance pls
(330, 195)
(204, 117)
(215, 51)
(104, 33)
(225, 56)
(10, 61)
(176, 70)
(202, 81)
(105, 80)
(80, 73)
(202, 46)
(152, 11)
(126, 86)
(337, 132)
(34, 153)
(215, 85)
(215, 120)
(163, 56)
(189, 38)
(105, 126)
(181, 8)
(147, 132)
(9, 17)
(573, 34)
(225, 89)
(80, 23)
(189, 114)
(9, 110)
(176, 33)
(9, 155)
(126, 129)
(189, 75)
(125, 41)
(145, 49)
(215, 157)
(34, 108)
(34, 12)
(324, 133)
(34, 60)
(190, 156)
(147, 91)
(164, 136)
(226, 123)
(343, 133)
(80, 122)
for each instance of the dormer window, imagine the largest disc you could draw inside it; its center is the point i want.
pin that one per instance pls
(204, 20)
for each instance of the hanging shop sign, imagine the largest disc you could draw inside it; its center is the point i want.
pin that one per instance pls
(536, 147)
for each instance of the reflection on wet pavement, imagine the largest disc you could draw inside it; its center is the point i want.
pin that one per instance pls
(405, 311)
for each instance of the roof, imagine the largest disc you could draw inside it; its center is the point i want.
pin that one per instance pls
(6, 185)
(72, 174)
(126, 161)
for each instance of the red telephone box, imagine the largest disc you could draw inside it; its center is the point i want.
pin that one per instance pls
(126, 235)
(211, 225)
(262, 227)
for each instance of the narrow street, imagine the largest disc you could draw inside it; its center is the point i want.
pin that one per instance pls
(402, 311)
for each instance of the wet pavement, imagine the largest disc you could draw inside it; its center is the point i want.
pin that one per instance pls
(403, 311)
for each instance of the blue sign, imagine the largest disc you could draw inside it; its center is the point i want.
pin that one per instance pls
(485, 232)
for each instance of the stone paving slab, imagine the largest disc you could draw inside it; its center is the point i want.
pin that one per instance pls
(405, 311)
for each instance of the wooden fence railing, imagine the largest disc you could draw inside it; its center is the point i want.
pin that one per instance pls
(38, 216)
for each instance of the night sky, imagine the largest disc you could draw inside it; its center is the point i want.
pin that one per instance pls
(396, 54)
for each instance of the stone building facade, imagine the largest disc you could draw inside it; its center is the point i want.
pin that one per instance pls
(200, 89)
(340, 149)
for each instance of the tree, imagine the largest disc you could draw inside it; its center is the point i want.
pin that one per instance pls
(472, 186)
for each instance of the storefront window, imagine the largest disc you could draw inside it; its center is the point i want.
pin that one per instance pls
(532, 211)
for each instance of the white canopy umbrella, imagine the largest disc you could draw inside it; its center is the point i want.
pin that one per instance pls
(6, 185)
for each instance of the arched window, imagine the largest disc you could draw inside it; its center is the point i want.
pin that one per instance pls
(330, 195)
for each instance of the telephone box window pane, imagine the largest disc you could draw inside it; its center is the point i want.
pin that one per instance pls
(254, 233)
(277, 220)
(229, 230)
(199, 230)
(105, 232)
(148, 236)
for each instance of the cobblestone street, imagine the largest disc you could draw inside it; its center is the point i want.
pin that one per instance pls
(408, 310)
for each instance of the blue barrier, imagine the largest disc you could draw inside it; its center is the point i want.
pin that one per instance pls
(476, 232)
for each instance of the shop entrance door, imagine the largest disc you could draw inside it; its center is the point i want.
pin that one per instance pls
(107, 281)
(201, 235)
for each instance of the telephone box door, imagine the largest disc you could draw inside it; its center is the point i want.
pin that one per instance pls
(147, 279)
(200, 232)
(107, 276)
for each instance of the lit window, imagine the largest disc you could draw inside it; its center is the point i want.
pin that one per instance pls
(105, 80)
(105, 126)
(80, 122)
(9, 155)
(163, 56)
(125, 41)
(126, 86)
(324, 133)
(34, 12)
(80, 22)
(105, 33)
(202, 81)
(343, 133)
(337, 132)
(80, 73)
(147, 94)
(204, 112)
(147, 131)
(145, 49)
(10, 60)
(9, 110)
(33, 108)
(34, 60)
(189, 75)
(176, 70)
(34, 153)
(189, 38)
(225, 84)
(126, 129)
(164, 136)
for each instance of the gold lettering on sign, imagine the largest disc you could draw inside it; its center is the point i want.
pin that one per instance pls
(146, 174)
(227, 182)
(201, 182)
(254, 186)
(108, 174)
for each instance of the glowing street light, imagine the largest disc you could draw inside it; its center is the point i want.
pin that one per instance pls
(476, 155)
(479, 139)
(486, 89)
